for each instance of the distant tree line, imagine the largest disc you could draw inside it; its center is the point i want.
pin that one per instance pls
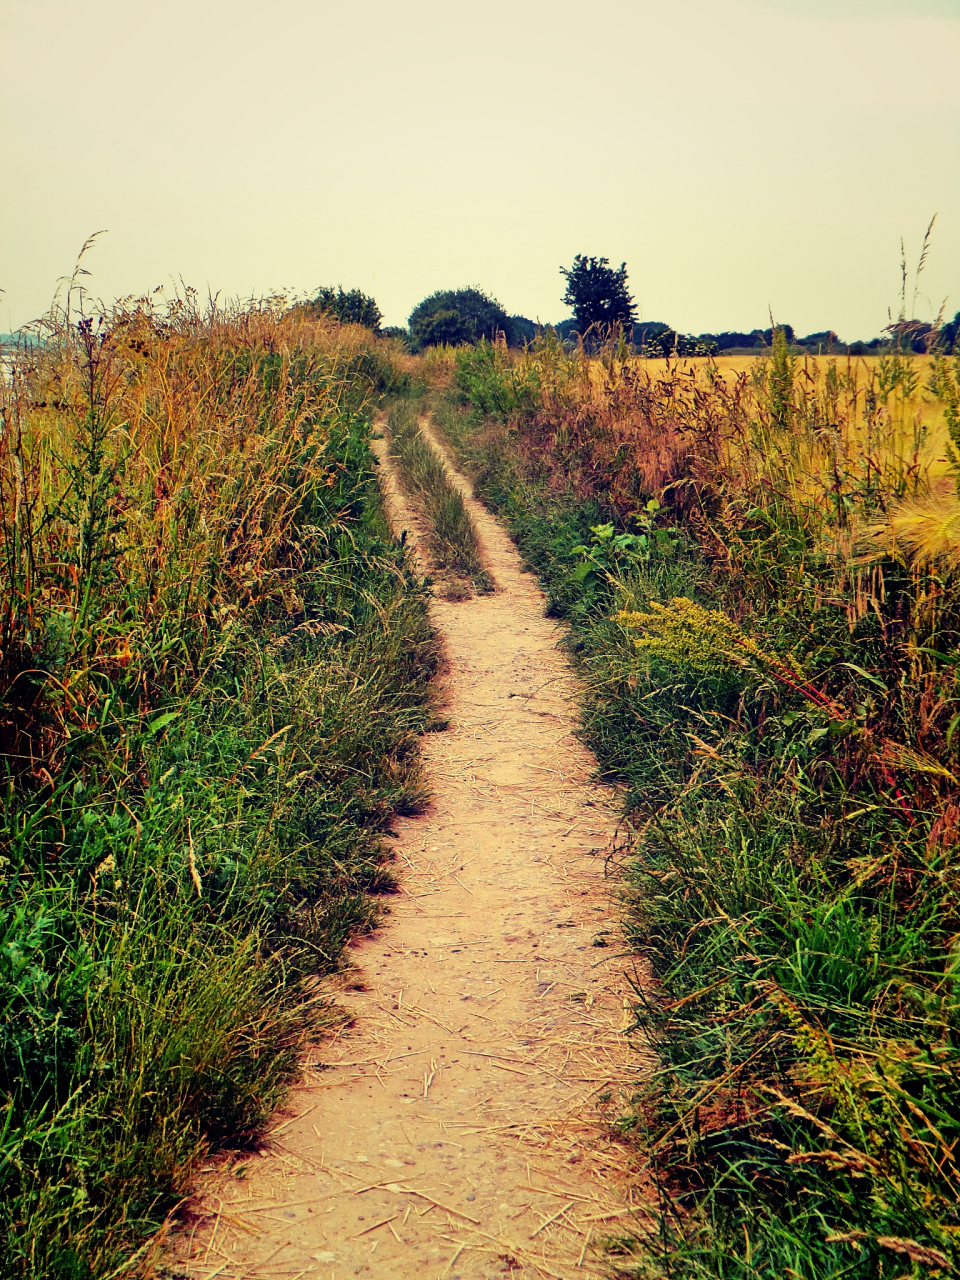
(603, 307)
(655, 339)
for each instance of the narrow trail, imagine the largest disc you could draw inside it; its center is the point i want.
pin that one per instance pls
(455, 1127)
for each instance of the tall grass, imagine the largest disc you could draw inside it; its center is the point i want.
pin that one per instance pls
(454, 547)
(771, 674)
(214, 670)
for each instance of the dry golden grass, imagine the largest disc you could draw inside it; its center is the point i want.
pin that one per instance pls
(744, 363)
(213, 670)
(162, 423)
(436, 366)
(863, 452)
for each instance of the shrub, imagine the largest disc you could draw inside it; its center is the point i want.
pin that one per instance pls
(353, 307)
(457, 317)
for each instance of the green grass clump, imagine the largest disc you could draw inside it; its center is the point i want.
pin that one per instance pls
(454, 546)
(792, 874)
(215, 669)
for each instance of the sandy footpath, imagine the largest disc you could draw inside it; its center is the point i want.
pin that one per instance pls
(455, 1127)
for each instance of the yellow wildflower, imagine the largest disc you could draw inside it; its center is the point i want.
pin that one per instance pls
(707, 641)
(685, 633)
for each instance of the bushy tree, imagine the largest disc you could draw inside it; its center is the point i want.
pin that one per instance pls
(396, 331)
(458, 316)
(598, 294)
(950, 334)
(668, 343)
(524, 330)
(446, 325)
(349, 307)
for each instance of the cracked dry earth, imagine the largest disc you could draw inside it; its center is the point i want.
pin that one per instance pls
(454, 1129)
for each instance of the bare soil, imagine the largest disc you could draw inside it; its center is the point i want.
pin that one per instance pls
(457, 1126)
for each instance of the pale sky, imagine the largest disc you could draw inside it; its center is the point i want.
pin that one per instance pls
(740, 156)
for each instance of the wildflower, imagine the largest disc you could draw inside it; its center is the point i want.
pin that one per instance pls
(703, 640)
(708, 642)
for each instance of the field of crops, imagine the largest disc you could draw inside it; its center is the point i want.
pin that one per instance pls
(759, 561)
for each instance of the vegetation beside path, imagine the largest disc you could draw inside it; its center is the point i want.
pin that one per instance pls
(214, 667)
(451, 537)
(214, 672)
(759, 569)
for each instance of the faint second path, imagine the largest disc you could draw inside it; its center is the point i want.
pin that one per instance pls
(455, 1129)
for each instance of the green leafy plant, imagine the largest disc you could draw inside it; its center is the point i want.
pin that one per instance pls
(609, 553)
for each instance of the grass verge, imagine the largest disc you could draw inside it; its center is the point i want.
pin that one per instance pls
(771, 677)
(454, 547)
(215, 669)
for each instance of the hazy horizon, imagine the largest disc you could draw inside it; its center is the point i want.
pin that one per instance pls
(769, 155)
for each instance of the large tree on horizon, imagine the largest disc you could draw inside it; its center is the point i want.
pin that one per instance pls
(458, 316)
(598, 294)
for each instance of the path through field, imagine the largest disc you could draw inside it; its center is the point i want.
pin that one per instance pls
(454, 1129)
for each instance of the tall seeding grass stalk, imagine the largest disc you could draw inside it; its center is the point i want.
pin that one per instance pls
(213, 673)
(454, 547)
(760, 571)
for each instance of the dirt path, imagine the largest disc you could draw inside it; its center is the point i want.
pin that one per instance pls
(454, 1130)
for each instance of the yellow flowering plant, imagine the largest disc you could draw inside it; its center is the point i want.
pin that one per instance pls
(709, 642)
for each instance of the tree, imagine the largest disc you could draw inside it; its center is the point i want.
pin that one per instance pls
(458, 316)
(353, 307)
(396, 331)
(666, 342)
(444, 327)
(524, 330)
(598, 294)
(950, 334)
